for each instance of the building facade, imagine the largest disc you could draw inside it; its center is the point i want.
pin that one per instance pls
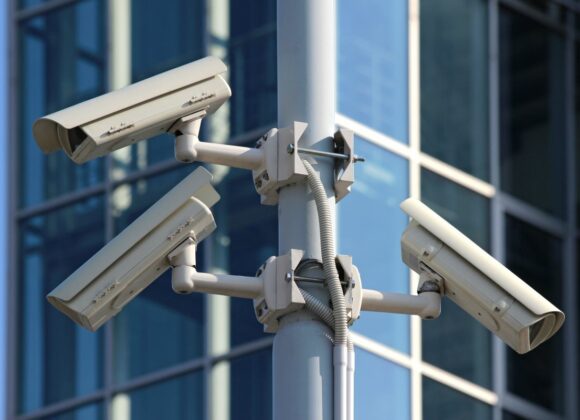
(469, 105)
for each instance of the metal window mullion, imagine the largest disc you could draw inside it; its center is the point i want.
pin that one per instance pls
(60, 201)
(570, 292)
(62, 406)
(534, 14)
(11, 363)
(41, 9)
(531, 215)
(496, 216)
(414, 121)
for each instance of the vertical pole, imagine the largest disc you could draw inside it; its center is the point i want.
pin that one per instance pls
(302, 353)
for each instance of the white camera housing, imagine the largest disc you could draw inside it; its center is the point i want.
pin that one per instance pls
(137, 112)
(475, 281)
(103, 285)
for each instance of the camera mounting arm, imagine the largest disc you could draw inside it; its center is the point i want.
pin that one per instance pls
(188, 147)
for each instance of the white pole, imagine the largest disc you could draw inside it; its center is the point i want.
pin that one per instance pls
(302, 354)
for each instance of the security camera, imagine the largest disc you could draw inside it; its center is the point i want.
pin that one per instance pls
(475, 281)
(137, 112)
(103, 285)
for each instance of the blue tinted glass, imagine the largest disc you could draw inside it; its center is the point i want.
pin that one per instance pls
(370, 228)
(57, 359)
(454, 341)
(246, 236)
(454, 88)
(62, 63)
(372, 64)
(252, 59)
(89, 412)
(536, 257)
(441, 402)
(382, 389)
(180, 398)
(180, 41)
(168, 325)
(251, 386)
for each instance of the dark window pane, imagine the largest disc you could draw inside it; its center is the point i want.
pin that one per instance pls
(441, 402)
(165, 35)
(372, 64)
(382, 389)
(251, 386)
(247, 235)
(537, 258)
(58, 359)
(370, 228)
(159, 328)
(180, 398)
(532, 123)
(506, 415)
(252, 57)
(62, 63)
(89, 412)
(455, 341)
(454, 88)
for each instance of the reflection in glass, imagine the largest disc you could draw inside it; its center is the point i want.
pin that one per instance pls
(89, 412)
(370, 226)
(382, 389)
(455, 341)
(441, 402)
(62, 63)
(57, 359)
(252, 57)
(372, 64)
(454, 90)
(180, 398)
(181, 41)
(532, 113)
(159, 328)
(247, 235)
(251, 386)
(536, 257)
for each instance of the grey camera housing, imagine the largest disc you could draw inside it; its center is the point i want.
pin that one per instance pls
(104, 284)
(137, 112)
(478, 283)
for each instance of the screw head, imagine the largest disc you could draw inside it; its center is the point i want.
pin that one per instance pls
(290, 149)
(288, 276)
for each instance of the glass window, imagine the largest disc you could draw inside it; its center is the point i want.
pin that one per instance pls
(506, 415)
(89, 412)
(372, 64)
(247, 235)
(252, 57)
(57, 359)
(441, 402)
(536, 257)
(370, 228)
(168, 325)
(180, 398)
(382, 389)
(454, 88)
(62, 63)
(251, 386)
(180, 41)
(532, 112)
(455, 341)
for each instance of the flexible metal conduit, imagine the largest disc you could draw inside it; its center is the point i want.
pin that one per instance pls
(329, 255)
(328, 250)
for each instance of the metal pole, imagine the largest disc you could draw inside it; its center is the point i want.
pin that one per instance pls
(302, 353)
